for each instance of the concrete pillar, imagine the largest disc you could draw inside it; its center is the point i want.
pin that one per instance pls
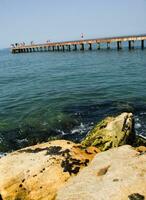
(142, 44)
(82, 47)
(90, 46)
(75, 47)
(53, 48)
(69, 47)
(131, 44)
(119, 45)
(98, 45)
(57, 48)
(63, 48)
(108, 45)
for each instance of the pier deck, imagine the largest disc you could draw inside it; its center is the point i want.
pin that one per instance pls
(79, 44)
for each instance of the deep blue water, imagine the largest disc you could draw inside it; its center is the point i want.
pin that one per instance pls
(63, 94)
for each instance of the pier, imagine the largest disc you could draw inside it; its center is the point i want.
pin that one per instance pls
(80, 44)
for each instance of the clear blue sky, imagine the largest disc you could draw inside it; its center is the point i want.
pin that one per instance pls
(40, 20)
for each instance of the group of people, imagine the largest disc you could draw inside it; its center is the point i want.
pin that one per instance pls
(32, 43)
(20, 44)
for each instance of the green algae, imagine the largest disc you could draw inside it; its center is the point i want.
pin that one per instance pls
(105, 138)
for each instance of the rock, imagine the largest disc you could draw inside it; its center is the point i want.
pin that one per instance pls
(37, 172)
(139, 141)
(111, 132)
(141, 149)
(116, 174)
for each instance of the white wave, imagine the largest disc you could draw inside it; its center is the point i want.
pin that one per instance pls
(2, 154)
(138, 125)
(22, 140)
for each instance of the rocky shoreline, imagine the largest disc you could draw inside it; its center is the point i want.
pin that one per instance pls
(109, 164)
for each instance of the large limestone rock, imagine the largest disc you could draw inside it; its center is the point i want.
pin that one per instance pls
(111, 132)
(116, 174)
(37, 172)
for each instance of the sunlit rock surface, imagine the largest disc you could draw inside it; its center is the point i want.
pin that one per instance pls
(37, 172)
(116, 174)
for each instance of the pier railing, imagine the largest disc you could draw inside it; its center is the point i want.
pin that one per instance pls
(80, 44)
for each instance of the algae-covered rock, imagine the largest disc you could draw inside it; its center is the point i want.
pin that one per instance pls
(116, 174)
(139, 141)
(111, 132)
(37, 172)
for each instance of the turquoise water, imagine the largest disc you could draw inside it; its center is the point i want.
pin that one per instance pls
(62, 94)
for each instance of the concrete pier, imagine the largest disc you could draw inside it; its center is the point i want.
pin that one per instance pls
(73, 45)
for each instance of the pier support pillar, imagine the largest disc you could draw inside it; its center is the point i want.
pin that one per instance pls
(75, 47)
(69, 47)
(53, 48)
(108, 45)
(142, 44)
(90, 46)
(119, 45)
(63, 48)
(57, 48)
(131, 44)
(82, 47)
(98, 45)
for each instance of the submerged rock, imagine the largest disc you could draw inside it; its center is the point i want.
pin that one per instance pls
(37, 172)
(111, 132)
(139, 141)
(116, 174)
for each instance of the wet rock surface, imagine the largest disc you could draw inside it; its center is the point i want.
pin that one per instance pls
(111, 132)
(136, 196)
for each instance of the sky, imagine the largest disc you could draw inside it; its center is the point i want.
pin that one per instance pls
(60, 20)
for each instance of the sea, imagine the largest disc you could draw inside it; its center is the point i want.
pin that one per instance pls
(62, 95)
